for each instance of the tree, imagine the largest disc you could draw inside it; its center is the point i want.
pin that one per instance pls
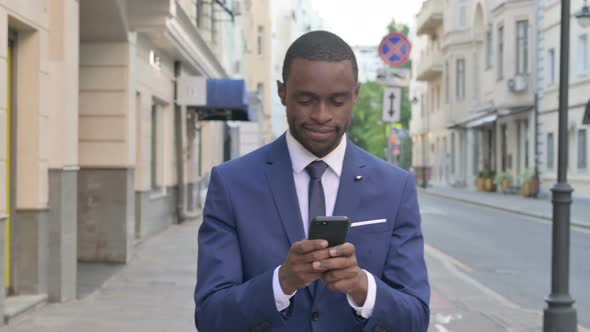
(367, 129)
(405, 160)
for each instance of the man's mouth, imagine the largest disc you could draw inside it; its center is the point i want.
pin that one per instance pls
(319, 134)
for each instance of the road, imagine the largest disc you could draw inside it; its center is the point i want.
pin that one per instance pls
(507, 253)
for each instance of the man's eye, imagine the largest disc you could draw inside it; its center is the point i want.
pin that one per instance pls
(305, 101)
(337, 102)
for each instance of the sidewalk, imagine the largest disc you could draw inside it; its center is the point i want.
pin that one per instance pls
(154, 292)
(532, 207)
(459, 303)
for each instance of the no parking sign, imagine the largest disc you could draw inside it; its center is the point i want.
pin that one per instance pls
(395, 49)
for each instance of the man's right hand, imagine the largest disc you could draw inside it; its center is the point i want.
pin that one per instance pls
(297, 271)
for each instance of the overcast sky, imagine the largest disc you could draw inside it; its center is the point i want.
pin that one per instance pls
(365, 22)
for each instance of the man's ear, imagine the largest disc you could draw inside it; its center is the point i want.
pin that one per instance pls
(357, 92)
(282, 91)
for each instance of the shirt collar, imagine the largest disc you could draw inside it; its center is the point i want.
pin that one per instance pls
(300, 157)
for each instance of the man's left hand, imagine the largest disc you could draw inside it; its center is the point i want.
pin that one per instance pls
(341, 273)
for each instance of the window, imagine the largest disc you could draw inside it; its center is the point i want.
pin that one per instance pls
(582, 67)
(489, 49)
(522, 52)
(475, 76)
(475, 152)
(432, 97)
(526, 145)
(422, 105)
(199, 13)
(550, 151)
(504, 147)
(462, 13)
(154, 148)
(500, 73)
(447, 83)
(460, 79)
(582, 149)
(452, 153)
(260, 39)
(550, 67)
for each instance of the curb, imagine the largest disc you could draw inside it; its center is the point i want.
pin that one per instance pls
(492, 206)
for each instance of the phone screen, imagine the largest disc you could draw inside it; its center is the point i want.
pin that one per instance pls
(331, 229)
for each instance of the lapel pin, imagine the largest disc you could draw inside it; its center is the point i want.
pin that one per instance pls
(358, 178)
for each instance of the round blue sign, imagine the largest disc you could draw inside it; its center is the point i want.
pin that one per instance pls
(395, 49)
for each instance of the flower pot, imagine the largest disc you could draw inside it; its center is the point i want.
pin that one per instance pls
(480, 184)
(525, 189)
(505, 184)
(489, 185)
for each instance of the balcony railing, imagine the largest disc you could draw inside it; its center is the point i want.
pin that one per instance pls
(430, 17)
(430, 65)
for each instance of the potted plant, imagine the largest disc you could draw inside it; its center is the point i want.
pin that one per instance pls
(530, 184)
(504, 180)
(480, 181)
(489, 180)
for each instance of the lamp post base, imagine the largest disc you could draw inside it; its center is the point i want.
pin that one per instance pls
(557, 318)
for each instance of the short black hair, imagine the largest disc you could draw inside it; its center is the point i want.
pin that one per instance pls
(319, 46)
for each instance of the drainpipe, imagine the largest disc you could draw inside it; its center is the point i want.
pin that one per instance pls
(180, 131)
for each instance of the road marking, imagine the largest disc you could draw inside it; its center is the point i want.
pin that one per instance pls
(433, 211)
(441, 328)
(450, 263)
(440, 254)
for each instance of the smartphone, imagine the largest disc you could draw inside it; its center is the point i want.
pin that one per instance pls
(331, 229)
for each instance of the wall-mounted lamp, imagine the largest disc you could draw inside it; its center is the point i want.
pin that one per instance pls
(583, 16)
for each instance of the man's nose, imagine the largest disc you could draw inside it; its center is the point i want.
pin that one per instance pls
(321, 113)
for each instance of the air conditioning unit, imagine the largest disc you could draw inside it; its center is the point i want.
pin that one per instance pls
(518, 84)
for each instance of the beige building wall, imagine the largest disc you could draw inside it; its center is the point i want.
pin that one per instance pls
(259, 77)
(64, 41)
(579, 178)
(154, 88)
(464, 48)
(37, 244)
(212, 152)
(106, 100)
(429, 70)
(506, 14)
(30, 22)
(3, 111)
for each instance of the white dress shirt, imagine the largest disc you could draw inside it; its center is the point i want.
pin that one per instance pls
(300, 158)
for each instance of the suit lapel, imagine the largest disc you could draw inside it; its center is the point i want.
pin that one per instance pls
(349, 192)
(280, 177)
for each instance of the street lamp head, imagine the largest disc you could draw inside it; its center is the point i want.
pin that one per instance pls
(583, 16)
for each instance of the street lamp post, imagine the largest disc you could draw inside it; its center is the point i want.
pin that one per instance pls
(560, 314)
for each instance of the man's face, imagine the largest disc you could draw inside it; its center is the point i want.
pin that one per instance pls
(319, 97)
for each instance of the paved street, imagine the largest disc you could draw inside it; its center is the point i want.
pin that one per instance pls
(508, 253)
(488, 271)
(153, 293)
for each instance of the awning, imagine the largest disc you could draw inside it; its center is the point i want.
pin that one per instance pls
(515, 110)
(475, 120)
(226, 100)
(481, 121)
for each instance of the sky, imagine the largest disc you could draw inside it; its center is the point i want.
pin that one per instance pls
(365, 22)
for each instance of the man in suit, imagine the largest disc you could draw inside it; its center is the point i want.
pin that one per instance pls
(257, 271)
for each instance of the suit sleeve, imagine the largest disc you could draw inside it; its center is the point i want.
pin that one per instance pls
(403, 292)
(223, 300)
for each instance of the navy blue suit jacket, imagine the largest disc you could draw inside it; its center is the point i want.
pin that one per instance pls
(252, 217)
